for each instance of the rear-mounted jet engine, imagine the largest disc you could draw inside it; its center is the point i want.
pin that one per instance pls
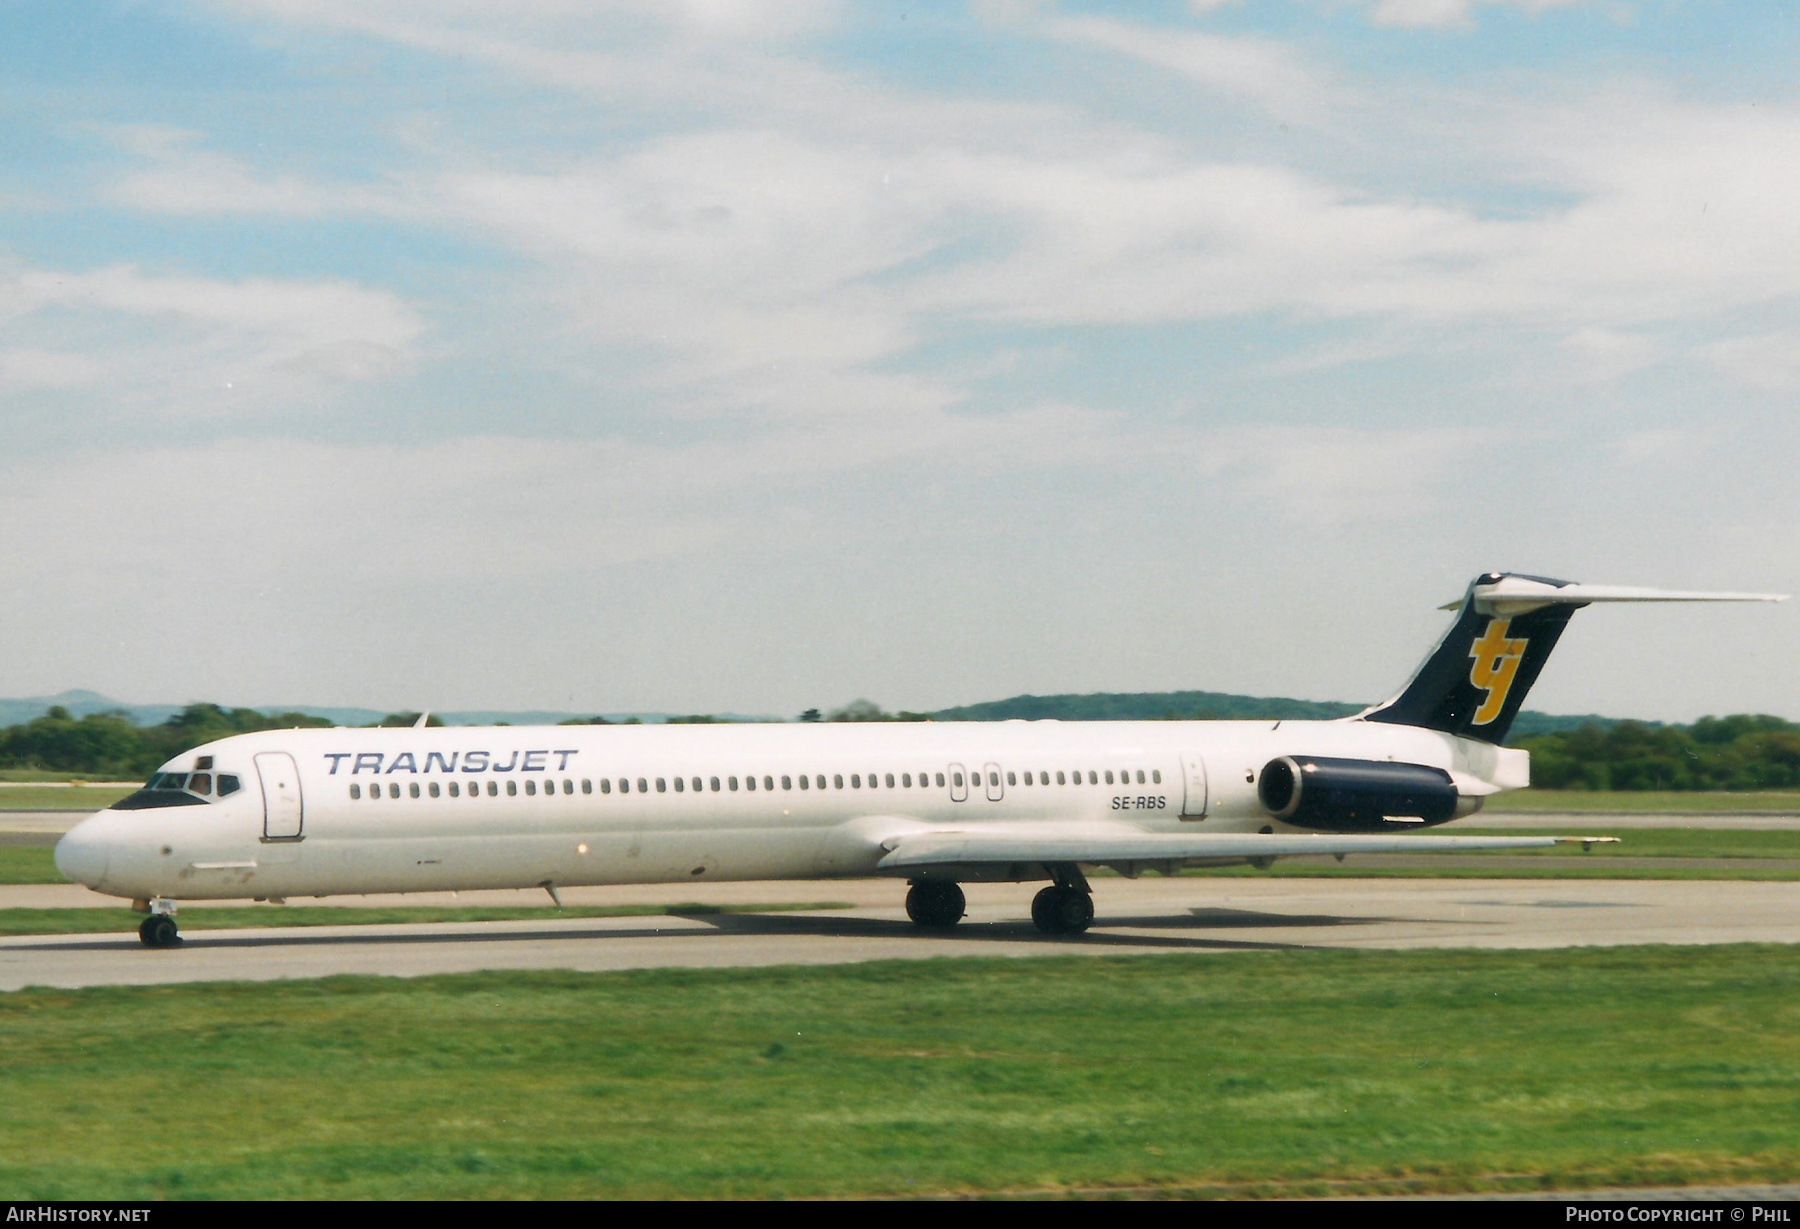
(1336, 795)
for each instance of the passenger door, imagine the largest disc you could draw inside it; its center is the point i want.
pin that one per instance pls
(1193, 802)
(284, 814)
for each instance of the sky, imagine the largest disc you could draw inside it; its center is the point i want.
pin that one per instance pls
(708, 356)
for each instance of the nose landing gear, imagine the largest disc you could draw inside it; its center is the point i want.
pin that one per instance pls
(934, 904)
(159, 929)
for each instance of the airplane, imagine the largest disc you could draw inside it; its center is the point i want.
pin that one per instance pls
(325, 812)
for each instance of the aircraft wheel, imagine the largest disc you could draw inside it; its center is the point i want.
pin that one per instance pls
(159, 931)
(935, 904)
(1062, 911)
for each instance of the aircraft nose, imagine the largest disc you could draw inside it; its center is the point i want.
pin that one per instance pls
(82, 852)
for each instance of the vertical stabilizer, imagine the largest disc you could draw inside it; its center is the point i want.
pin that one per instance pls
(1476, 680)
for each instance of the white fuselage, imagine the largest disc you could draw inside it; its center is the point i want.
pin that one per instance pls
(407, 810)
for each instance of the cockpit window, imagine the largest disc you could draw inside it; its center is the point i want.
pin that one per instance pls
(200, 783)
(228, 785)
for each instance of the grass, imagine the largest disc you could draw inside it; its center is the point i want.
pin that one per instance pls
(61, 797)
(1257, 1072)
(228, 917)
(1456, 868)
(39, 774)
(1737, 854)
(1679, 801)
(1650, 842)
(29, 864)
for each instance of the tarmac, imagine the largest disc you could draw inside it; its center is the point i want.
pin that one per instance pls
(1188, 914)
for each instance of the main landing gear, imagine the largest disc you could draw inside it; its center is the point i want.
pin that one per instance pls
(159, 930)
(1066, 907)
(935, 904)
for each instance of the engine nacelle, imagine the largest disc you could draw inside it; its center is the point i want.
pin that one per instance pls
(1349, 795)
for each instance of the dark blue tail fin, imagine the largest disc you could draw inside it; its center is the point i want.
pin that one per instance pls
(1475, 681)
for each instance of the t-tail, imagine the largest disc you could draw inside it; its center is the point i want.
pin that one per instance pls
(1475, 681)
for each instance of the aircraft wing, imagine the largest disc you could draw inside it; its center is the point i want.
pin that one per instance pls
(1112, 845)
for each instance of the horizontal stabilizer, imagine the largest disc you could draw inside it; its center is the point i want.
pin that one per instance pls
(952, 849)
(1512, 595)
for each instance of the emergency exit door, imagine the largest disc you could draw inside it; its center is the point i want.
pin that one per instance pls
(283, 812)
(1193, 801)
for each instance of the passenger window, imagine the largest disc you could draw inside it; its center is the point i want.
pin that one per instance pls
(662, 784)
(1059, 778)
(1156, 776)
(1140, 776)
(643, 786)
(200, 783)
(787, 783)
(890, 781)
(606, 785)
(769, 783)
(940, 780)
(454, 788)
(393, 789)
(587, 786)
(1011, 779)
(678, 785)
(715, 784)
(228, 785)
(906, 779)
(956, 778)
(512, 789)
(805, 781)
(355, 790)
(1109, 779)
(696, 785)
(530, 788)
(493, 789)
(432, 789)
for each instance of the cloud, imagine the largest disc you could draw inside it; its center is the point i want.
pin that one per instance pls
(1442, 14)
(1256, 70)
(183, 177)
(179, 345)
(1767, 362)
(32, 368)
(786, 239)
(1332, 476)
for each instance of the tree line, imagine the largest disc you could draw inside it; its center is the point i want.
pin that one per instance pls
(1742, 752)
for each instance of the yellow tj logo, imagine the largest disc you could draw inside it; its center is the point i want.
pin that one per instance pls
(1496, 662)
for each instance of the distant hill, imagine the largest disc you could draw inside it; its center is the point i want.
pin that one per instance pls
(1097, 706)
(1214, 706)
(1150, 706)
(80, 703)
